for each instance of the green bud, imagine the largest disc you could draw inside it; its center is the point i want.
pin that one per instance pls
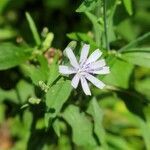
(34, 100)
(48, 41)
(43, 86)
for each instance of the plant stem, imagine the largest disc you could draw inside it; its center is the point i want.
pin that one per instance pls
(105, 25)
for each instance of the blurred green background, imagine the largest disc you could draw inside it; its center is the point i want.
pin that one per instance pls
(60, 17)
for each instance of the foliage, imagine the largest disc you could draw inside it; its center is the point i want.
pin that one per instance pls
(39, 109)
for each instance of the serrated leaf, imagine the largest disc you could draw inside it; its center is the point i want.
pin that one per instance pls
(57, 95)
(87, 5)
(82, 128)
(11, 55)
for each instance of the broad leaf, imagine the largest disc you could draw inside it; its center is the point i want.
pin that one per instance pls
(53, 72)
(11, 55)
(82, 128)
(95, 111)
(57, 95)
(39, 72)
(140, 58)
(119, 74)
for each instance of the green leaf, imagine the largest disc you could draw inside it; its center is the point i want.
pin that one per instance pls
(98, 28)
(33, 29)
(145, 130)
(119, 74)
(135, 42)
(128, 6)
(7, 33)
(96, 112)
(127, 30)
(53, 72)
(57, 95)
(140, 58)
(3, 4)
(11, 55)
(56, 127)
(117, 142)
(82, 128)
(39, 72)
(87, 5)
(24, 91)
(81, 37)
(134, 101)
(2, 113)
(9, 95)
(143, 86)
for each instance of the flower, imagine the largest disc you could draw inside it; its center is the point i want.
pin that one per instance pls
(85, 68)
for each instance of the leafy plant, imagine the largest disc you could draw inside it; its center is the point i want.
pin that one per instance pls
(40, 107)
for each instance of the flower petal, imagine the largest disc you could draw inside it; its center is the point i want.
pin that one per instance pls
(94, 56)
(103, 70)
(72, 58)
(97, 64)
(84, 53)
(95, 81)
(66, 70)
(75, 81)
(85, 86)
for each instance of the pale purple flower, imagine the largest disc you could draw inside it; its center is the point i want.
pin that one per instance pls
(85, 68)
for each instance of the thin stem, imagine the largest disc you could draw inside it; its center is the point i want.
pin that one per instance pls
(105, 25)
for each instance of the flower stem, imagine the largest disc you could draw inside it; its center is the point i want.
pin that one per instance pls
(105, 25)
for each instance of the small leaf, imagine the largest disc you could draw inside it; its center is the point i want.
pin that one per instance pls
(81, 37)
(33, 29)
(87, 5)
(7, 33)
(82, 129)
(10, 95)
(128, 6)
(11, 55)
(57, 95)
(56, 127)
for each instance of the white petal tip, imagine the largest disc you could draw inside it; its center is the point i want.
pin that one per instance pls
(88, 94)
(73, 85)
